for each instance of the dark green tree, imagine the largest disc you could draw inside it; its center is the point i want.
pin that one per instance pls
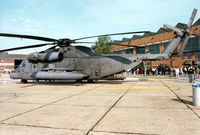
(103, 45)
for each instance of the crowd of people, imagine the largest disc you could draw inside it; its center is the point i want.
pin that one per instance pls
(191, 72)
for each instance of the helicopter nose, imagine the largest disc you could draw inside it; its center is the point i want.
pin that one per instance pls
(14, 76)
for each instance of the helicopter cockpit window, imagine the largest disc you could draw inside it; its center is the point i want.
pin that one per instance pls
(23, 64)
(86, 50)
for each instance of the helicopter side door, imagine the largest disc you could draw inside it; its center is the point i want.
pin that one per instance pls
(94, 67)
(71, 63)
(97, 69)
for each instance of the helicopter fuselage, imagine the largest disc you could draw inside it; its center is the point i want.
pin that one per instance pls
(76, 63)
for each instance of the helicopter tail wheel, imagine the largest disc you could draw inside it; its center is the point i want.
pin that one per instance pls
(24, 81)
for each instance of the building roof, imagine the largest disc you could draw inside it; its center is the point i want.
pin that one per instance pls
(161, 35)
(181, 25)
(149, 34)
(163, 30)
(5, 55)
(117, 41)
(136, 37)
(197, 22)
(126, 39)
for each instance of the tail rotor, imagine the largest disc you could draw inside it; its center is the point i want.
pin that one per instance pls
(184, 33)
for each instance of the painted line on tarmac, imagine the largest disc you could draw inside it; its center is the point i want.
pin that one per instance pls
(90, 130)
(122, 133)
(69, 96)
(41, 88)
(33, 87)
(5, 80)
(26, 86)
(145, 88)
(115, 85)
(181, 99)
(48, 88)
(47, 127)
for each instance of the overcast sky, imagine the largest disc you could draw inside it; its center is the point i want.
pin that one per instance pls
(80, 18)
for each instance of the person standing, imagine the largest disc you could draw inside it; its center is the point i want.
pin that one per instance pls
(181, 71)
(186, 71)
(153, 71)
(191, 74)
(177, 72)
(197, 73)
(137, 71)
(145, 71)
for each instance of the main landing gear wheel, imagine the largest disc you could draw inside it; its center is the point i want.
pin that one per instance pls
(78, 83)
(24, 81)
(90, 81)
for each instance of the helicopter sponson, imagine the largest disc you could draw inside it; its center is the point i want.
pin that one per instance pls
(45, 57)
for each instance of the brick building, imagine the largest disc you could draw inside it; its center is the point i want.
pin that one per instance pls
(9, 62)
(155, 43)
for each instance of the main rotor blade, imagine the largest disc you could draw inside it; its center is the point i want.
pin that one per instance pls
(26, 47)
(112, 34)
(183, 45)
(196, 34)
(28, 37)
(177, 30)
(111, 44)
(84, 42)
(192, 18)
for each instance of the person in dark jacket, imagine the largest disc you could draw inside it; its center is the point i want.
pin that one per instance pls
(191, 72)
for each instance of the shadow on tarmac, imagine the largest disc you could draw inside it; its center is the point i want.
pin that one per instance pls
(72, 82)
(184, 101)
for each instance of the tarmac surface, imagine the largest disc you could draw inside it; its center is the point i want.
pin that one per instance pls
(101, 108)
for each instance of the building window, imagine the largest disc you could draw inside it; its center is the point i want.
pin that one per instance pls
(154, 49)
(182, 57)
(129, 51)
(196, 55)
(189, 56)
(140, 50)
(175, 51)
(192, 44)
(165, 46)
(119, 52)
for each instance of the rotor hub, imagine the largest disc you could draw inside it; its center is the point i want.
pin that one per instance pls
(64, 42)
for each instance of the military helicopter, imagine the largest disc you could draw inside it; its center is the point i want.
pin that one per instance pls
(63, 61)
